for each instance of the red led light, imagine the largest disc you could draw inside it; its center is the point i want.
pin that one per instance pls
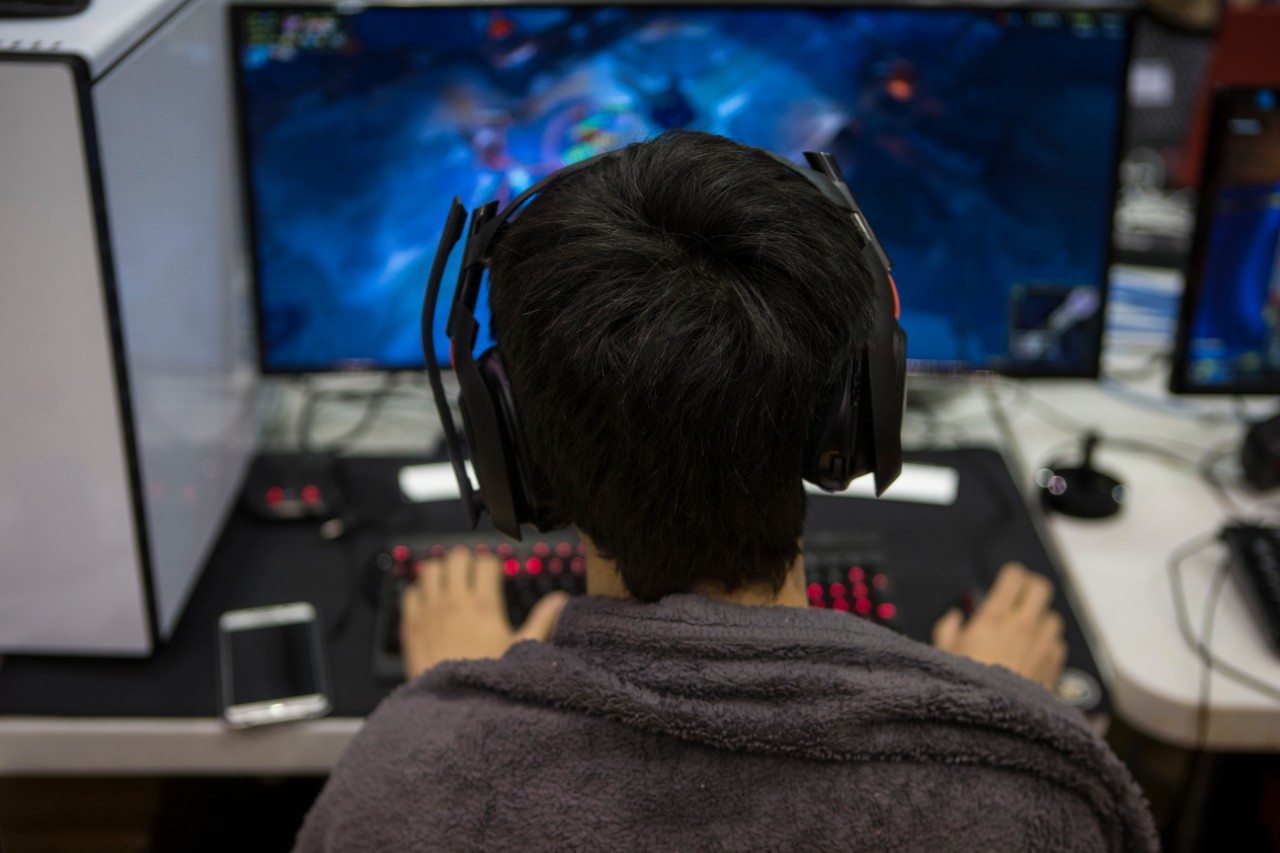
(437, 551)
(400, 553)
(863, 606)
(577, 565)
(817, 602)
(879, 581)
(582, 549)
(837, 590)
(275, 495)
(541, 549)
(856, 574)
(564, 550)
(511, 567)
(859, 589)
(815, 590)
(556, 566)
(500, 27)
(505, 550)
(482, 550)
(533, 565)
(311, 494)
(900, 89)
(886, 611)
(840, 604)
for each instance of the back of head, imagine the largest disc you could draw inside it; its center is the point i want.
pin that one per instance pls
(671, 319)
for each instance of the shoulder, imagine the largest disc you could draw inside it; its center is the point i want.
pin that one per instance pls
(420, 768)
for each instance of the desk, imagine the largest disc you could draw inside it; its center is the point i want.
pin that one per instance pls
(1118, 568)
(1115, 571)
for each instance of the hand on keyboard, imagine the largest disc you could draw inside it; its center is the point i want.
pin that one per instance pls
(455, 610)
(1013, 627)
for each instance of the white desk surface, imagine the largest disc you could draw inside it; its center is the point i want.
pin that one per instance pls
(1116, 570)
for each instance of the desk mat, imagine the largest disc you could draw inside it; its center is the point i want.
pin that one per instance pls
(934, 553)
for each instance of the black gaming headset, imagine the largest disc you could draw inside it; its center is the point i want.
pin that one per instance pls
(857, 431)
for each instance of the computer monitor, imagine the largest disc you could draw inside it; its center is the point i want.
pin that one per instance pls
(1228, 339)
(982, 144)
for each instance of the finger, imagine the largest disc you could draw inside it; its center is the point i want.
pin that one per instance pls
(542, 618)
(1005, 591)
(1049, 628)
(430, 578)
(410, 602)
(1054, 662)
(1037, 591)
(947, 629)
(453, 579)
(1042, 646)
(487, 576)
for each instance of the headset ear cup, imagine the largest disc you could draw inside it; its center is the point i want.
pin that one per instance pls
(528, 487)
(829, 450)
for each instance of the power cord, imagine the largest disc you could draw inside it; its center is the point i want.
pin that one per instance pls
(1203, 467)
(1200, 646)
(373, 399)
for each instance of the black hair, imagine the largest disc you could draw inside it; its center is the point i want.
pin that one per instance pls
(671, 318)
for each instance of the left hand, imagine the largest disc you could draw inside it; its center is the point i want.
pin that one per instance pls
(455, 610)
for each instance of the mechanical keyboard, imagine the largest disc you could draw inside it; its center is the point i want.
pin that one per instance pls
(1255, 561)
(844, 571)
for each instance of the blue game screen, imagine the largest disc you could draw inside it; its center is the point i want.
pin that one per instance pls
(1234, 309)
(981, 144)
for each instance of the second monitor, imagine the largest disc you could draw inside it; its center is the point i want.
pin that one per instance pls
(982, 143)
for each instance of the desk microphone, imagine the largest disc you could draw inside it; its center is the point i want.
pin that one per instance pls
(1080, 491)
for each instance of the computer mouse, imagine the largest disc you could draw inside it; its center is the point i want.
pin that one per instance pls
(1081, 490)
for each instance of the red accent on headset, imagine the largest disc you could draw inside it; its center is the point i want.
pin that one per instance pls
(897, 306)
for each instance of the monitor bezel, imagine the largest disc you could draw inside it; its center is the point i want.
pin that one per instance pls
(236, 11)
(1180, 381)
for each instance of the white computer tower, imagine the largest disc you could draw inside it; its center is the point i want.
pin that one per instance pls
(127, 387)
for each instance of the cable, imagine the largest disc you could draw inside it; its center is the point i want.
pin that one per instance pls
(1199, 645)
(1199, 468)
(1169, 407)
(1051, 415)
(374, 401)
(1003, 424)
(1206, 666)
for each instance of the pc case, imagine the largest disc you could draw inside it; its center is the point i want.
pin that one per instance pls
(127, 387)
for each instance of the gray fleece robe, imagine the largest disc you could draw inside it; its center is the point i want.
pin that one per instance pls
(693, 724)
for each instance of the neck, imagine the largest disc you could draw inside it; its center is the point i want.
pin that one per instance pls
(603, 578)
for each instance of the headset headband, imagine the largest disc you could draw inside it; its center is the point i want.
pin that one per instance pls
(859, 434)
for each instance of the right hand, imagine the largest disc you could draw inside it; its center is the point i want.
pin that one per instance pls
(1013, 628)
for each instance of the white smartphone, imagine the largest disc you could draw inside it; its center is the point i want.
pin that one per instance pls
(272, 665)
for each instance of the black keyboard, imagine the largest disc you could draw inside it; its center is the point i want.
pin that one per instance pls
(1255, 560)
(844, 571)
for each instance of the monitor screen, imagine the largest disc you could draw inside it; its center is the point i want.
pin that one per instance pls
(1229, 334)
(981, 143)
